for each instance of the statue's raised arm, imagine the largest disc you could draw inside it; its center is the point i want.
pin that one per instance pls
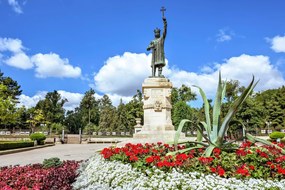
(157, 47)
(164, 27)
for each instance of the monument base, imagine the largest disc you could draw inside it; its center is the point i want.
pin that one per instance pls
(157, 113)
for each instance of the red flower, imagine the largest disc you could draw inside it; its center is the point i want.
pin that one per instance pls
(281, 170)
(160, 164)
(206, 160)
(133, 158)
(243, 170)
(280, 159)
(246, 144)
(220, 171)
(181, 157)
(217, 152)
(213, 169)
(149, 159)
(251, 167)
(241, 152)
(152, 159)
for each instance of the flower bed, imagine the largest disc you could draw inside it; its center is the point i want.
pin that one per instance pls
(35, 177)
(149, 167)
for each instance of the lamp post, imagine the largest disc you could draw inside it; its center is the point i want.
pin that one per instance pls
(268, 123)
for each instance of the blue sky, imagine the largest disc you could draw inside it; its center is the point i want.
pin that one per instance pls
(72, 45)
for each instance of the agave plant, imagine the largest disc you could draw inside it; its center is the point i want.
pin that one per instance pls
(215, 128)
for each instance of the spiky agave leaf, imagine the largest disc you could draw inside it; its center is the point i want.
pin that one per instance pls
(208, 126)
(256, 139)
(217, 106)
(232, 111)
(179, 130)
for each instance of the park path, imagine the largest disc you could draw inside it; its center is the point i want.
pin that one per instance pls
(62, 151)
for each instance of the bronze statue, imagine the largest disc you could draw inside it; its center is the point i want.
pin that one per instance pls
(157, 47)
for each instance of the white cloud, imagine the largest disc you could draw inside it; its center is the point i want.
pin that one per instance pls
(73, 99)
(237, 68)
(29, 102)
(277, 43)
(115, 98)
(19, 60)
(51, 65)
(12, 45)
(15, 5)
(123, 75)
(46, 65)
(224, 35)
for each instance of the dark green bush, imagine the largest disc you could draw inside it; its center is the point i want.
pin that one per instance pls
(39, 137)
(277, 135)
(15, 144)
(51, 162)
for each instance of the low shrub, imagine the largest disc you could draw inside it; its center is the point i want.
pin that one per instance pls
(277, 135)
(51, 162)
(6, 145)
(35, 177)
(39, 137)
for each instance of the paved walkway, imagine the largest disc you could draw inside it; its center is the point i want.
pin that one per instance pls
(62, 151)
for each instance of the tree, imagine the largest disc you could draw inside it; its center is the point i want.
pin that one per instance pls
(183, 93)
(273, 101)
(73, 121)
(122, 121)
(36, 118)
(107, 120)
(8, 111)
(135, 109)
(52, 107)
(182, 111)
(13, 89)
(89, 108)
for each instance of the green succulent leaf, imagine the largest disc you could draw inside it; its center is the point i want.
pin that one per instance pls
(232, 111)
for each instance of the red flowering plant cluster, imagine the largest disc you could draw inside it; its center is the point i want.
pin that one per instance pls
(35, 177)
(248, 160)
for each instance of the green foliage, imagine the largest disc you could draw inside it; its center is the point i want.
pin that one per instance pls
(39, 137)
(57, 128)
(13, 89)
(89, 108)
(8, 111)
(52, 162)
(273, 104)
(215, 127)
(134, 109)
(36, 118)
(183, 93)
(277, 135)
(182, 111)
(122, 115)
(73, 120)
(15, 144)
(90, 128)
(52, 107)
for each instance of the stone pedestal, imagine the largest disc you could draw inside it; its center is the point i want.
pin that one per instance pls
(157, 112)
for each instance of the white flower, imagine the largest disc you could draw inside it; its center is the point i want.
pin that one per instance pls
(97, 173)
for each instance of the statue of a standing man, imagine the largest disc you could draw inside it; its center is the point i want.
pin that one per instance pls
(157, 47)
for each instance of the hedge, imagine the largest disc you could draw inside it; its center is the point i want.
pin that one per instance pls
(277, 135)
(15, 144)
